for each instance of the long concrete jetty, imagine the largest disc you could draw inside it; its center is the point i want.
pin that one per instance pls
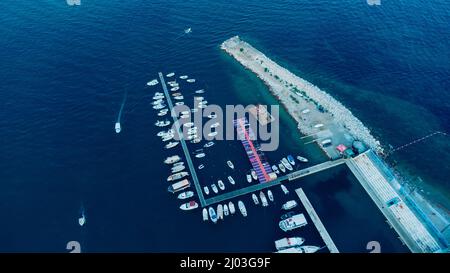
(289, 177)
(183, 143)
(316, 220)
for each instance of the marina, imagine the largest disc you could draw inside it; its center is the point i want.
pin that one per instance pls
(316, 220)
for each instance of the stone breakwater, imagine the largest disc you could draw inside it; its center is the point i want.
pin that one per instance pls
(283, 83)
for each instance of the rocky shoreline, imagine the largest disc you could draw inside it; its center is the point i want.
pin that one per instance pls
(285, 85)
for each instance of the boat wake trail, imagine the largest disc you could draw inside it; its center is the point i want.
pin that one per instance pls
(119, 117)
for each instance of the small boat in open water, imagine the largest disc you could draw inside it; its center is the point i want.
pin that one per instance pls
(230, 164)
(117, 127)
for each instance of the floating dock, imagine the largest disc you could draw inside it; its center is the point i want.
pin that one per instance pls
(183, 144)
(257, 187)
(316, 220)
(254, 152)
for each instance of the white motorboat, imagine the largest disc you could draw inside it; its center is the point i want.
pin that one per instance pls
(185, 195)
(152, 82)
(270, 195)
(289, 205)
(302, 159)
(170, 75)
(214, 188)
(255, 199)
(117, 127)
(183, 77)
(263, 199)
(231, 207)
(242, 208)
(206, 190)
(253, 173)
(231, 180)
(284, 189)
(221, 185)
(220, 211)
(249, 178)
(205, 214)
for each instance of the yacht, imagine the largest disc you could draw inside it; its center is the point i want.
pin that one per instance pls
(183, 77)
(179, 186)
(170, 75)
(206, 190)
(289, 205)
(293, 222)
(270, 195)
(205, 214)
(225, 210)
(285, 190)
(230, 164)
(176, 88)
(189, 205)
(291, 160)
(214, 188)
(221, 185)
(263, 199)
(302, 159)
(212, 215)
(190, 80)
(289, 242)
(231, 207)
(242, 208)
(255, 199)
(249, 178)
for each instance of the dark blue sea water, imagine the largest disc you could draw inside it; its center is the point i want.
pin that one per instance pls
(64, 70)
